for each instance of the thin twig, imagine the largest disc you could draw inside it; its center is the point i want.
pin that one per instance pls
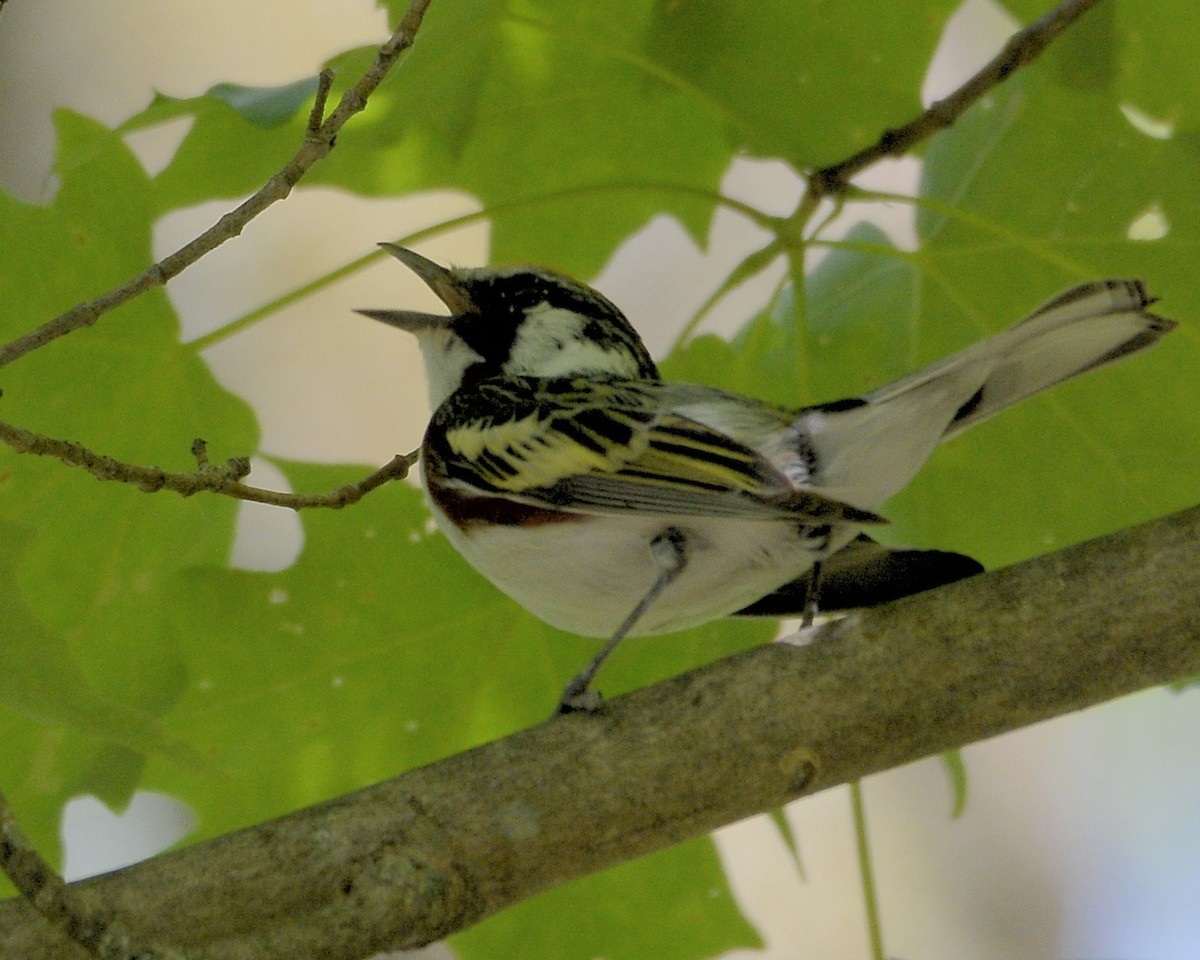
(224, 479)
(318, 141)
(316, 115)
(1022, 49)
(321, 133)
(67, 908)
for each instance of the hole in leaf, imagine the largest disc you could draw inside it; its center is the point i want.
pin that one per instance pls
(1150, 224)
(1144, 123)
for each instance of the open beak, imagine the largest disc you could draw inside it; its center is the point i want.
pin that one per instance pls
(441, 281)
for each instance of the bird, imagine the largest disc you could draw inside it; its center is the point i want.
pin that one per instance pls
(610, 502)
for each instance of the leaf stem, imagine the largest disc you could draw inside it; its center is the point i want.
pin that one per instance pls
(865, 871)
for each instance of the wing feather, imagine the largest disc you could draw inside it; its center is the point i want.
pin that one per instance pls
(548, 443)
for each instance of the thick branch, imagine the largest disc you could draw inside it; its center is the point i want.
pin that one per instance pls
(436, 849)
(76, 913)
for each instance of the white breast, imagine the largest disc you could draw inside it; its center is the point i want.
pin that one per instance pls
(585, 577)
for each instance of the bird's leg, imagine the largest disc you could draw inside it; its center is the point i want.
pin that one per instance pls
(668, 549)
(813, 597)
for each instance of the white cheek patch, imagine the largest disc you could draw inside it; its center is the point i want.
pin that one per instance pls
(446, 358)
(550, 343)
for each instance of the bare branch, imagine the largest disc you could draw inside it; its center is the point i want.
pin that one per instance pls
(436, 849)
(1022, 49)
(224, 479)
(319, 139)
(317, 144)
(316, 115)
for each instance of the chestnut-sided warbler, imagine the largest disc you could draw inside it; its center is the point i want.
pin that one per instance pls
(609, 502)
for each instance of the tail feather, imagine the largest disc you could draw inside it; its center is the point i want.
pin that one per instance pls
(1086, 327)
(867, 452)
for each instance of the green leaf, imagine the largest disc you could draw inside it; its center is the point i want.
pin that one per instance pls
(547, 112)
(225, 152)
(605, 915)
(239, 136)
(88, 582)
(574, 127)
(791, 840)
(267, 106)
(551, 114)
(845, 339)
(43, 680)
(261, 106)
(1159, 71)
(48, 709)
(810, 81)
(1139, 52)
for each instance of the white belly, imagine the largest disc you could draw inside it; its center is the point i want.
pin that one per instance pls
(586, 577)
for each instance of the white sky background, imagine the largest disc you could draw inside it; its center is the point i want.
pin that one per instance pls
(1079, 838)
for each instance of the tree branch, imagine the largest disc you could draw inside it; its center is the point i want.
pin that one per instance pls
(413, 859)
(1022, 49)
(318, 142)
(224, 479)
(320, 136)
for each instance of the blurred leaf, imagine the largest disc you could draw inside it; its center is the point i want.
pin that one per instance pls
(43, 681)
(550, 114)
(87, 582)
(493, 101)
(1141, 52)
(1160, 74)
(267, 106)
(632, 911)
(47, 703)
(816, 81)
(791, 840)
(574, 126)
(844, 342)
(262, 106)
(860, 304)
(224, 153)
